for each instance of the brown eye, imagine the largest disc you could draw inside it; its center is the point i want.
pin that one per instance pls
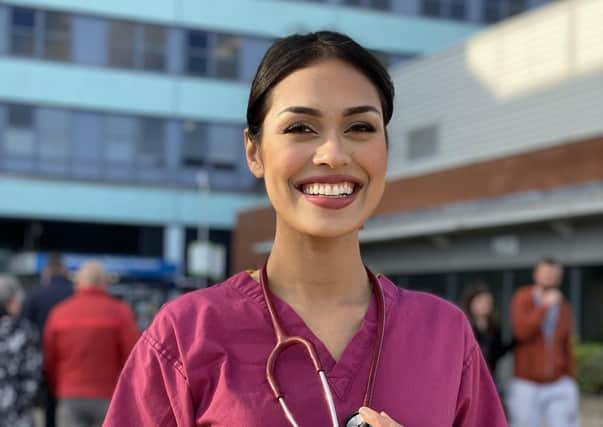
(298, 128)
(361, 128)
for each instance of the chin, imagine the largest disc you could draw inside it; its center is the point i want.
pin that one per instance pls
(330, 229)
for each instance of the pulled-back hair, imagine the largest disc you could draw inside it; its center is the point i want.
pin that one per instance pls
(294, 52)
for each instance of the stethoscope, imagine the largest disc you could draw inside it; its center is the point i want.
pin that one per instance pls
(283, 341)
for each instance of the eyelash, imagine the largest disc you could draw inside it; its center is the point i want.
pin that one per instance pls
(298, 128)
(362, 127)
(303, 128)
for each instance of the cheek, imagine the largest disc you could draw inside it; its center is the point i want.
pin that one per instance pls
(373, 159)
(284, 162)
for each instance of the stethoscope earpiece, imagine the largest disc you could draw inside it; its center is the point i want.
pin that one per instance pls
(355, 420)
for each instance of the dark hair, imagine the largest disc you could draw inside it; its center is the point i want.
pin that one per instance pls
(291, 53)
(548, 260)
(475, 289)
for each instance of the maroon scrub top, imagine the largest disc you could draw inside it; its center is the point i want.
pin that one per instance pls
(202, 362)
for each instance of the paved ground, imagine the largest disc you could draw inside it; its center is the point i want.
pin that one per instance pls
(591, 411)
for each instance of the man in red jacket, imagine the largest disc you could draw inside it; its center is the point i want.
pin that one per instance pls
(543, 384)
(87, 339)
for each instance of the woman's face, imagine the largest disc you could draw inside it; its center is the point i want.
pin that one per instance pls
(482, 304)
(322, 153)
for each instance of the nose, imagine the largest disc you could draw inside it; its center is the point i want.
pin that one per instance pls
(332, 152)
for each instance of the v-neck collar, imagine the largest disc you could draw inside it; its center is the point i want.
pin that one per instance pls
(339, 373)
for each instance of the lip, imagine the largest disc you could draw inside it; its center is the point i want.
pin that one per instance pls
(330, 202)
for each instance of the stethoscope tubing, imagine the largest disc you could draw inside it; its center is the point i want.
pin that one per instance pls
(284, 341)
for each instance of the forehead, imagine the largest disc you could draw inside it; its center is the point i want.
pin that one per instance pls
(326, 85)
(548, 268)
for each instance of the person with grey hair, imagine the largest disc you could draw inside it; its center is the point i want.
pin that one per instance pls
(20, 358)
(87, 339)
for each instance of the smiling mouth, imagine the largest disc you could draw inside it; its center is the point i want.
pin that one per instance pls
(336, 190)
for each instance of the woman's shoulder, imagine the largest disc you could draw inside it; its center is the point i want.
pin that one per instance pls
(419, 303)
(428, 321)
(207, 307)
(432, 315)
(231, 291)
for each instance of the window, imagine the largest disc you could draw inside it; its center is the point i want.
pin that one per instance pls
(153, 48)
(57, 36)
(121, 135)
(194, 141)
(19, 136)
(224, 146)
(431, 8)
(22, 32)
(226, 56)
(151, 144)
(457, 10)
(137, 46)
(380, 4)
(121, 44)
(54, 133)
(422, 142)
(491, 11)
(516, 6)
(197, 53)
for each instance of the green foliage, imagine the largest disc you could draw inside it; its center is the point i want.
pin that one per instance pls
(589, 367)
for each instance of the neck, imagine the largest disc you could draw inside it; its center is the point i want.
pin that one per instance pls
(318, 271)
(481, 322)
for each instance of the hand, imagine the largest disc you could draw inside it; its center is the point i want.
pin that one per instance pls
(376, 419)
(551, 297)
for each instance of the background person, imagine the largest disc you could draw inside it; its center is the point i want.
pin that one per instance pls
(20, 358)
(86, 342)
(543, 386)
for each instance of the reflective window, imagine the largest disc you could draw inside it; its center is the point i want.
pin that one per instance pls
(57, 36)
(379, 4)
(54, 133)
(121, 44)
(516, 6)
(19, 135)
(431, 7)
(492, 11)
(457, 9)
(197, 53)
(224, 146)
(151, 143)
(153, 47)
(22, 32)
(422, 142)
(226, 56)
(194, 143)
(121, 135)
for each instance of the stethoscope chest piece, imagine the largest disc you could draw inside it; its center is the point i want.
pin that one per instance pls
(355, 420)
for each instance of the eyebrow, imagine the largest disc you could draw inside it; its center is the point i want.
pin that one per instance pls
(347, 112)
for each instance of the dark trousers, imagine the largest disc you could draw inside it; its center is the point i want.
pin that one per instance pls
(81, 412)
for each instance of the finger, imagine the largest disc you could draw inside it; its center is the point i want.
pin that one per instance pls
(393, 423)
(376, 419)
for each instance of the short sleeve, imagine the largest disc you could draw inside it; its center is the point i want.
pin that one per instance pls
(478, 403)
(152, 389)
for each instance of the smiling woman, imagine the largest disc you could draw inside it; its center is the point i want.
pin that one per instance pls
(314, 337)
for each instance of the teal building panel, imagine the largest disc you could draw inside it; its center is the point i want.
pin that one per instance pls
(272, 18)
(72, 86)
(89, 202)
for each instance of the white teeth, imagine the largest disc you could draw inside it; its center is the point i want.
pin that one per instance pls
(343, 189)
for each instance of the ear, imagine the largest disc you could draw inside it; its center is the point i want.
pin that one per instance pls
(253, 154)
